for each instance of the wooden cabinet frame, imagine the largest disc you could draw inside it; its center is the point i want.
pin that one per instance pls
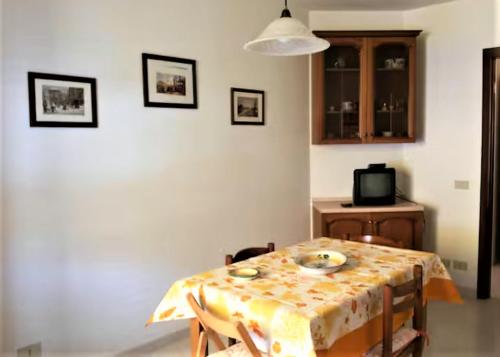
(330, 225)
(366, 42)
(411, 43)
(318, 84)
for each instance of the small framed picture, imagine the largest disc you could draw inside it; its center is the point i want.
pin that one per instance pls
(169, 82)
(62, 101)
(247, 107)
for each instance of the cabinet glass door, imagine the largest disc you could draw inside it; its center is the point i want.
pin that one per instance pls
(392, 96)
(342, 76)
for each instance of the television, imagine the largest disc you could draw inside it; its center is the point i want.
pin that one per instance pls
(374, 186)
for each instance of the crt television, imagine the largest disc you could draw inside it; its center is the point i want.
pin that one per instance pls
(374, 186)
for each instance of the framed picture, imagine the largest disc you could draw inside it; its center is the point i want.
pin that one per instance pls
(169, 82)
(62, 101)
(247, 107)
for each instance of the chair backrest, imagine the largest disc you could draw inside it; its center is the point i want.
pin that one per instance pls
(249, 253)
(214, 326)
(373, 239)
(413, 291)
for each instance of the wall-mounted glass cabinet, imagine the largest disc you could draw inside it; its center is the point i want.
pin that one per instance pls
(363, 88)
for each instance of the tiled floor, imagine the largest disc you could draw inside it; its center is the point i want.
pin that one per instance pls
(472, 329)
(468, 330)
(495, 281)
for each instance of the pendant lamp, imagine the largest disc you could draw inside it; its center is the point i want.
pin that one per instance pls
(286, 36)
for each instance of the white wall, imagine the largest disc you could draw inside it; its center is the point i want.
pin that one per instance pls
(1, 184)
(449, 135)
(451, 107)
(356, 20)
(100, 222)
(332, 165)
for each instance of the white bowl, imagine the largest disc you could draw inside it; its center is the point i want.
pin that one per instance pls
(321, 262)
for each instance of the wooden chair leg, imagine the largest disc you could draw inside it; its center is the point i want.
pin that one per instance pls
(419, 315)
(387, 322)
(202, 349)
(420, 343)
(196, 329)
(418, 350)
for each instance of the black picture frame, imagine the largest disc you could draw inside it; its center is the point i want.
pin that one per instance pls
(34, 122)
(145, 79)
(236, 120)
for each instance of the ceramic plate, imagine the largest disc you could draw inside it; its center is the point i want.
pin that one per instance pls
(321, 261)
(244, 273)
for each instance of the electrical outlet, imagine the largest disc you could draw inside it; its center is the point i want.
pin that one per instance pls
(461, 185)
(34, 350)
(446, 263)
(459, 265)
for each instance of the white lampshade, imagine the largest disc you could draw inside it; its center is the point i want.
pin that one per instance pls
(286, 36)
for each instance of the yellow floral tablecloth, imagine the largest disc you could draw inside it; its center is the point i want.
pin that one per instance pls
(289, 313)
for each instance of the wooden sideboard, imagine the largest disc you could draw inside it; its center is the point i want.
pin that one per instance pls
(403, 221)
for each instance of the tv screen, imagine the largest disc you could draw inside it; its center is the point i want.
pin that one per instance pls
(375, 185)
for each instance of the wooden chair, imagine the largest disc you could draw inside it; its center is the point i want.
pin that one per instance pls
(373, 239)
(249, 253)
(214, 326)
(406, 340)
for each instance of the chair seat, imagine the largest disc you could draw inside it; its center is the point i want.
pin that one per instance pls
(236, 350)
(399, 341)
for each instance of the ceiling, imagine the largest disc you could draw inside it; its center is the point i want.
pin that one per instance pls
(366, 4)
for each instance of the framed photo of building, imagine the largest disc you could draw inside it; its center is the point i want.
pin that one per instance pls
(169, 82)
(62, 101)
(247, 107)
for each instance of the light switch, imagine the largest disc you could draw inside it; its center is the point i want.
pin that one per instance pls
(460, 265)
(461, 185)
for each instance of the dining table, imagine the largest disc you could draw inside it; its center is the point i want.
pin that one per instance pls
(289, 312)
